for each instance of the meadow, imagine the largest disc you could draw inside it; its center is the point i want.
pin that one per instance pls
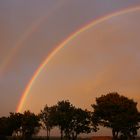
(58, 138)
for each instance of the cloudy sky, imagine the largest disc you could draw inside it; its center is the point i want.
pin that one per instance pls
(101, 59)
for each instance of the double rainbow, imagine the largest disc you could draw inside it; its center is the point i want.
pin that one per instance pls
(63, 44)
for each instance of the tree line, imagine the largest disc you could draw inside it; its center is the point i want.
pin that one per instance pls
(112, 110)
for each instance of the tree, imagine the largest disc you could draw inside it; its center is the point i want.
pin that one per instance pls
(63, 117)
(118, 113)
(5, 127)
(30, 124)
(48, 119)
(81, 123)
(130, 126)
(72, 121)
(15, 121)
(10, 124)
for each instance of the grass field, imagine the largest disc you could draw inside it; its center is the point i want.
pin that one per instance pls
(58, 138)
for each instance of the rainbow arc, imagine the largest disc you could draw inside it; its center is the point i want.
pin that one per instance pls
(63, 44)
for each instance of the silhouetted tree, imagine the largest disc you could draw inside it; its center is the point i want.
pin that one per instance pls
(48, 119)
(10, 124)
(130, 125)
(118, 113)
(72, 121)
(15, 122)
(64, 116)
(80, 123)
(5, 127)
(30, 124)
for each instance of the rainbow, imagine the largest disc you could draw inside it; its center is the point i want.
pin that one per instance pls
(25, 36)
(62, 44)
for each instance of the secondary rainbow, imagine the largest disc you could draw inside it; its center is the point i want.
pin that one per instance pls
(61, 45)
(26, 35)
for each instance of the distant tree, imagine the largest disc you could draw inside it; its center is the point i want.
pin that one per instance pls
(130, 125)
(48, 119)
(81, 123)
(64, 116)
(72, 121)
(5, 127)
(10, 124)
(30, 124)
(118, 113)
(15, 122)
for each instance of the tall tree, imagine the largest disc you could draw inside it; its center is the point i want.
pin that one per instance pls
(5, 127)
(72, 121)
(48, 119)
(118, 113)
(15, 122)
(81, 123)
(10, 124)
(30, 124)
(63, 117)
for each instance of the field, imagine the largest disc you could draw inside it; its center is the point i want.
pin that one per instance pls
(57, 138)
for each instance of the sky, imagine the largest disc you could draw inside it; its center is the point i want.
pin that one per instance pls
(85, 68)
(101, 59)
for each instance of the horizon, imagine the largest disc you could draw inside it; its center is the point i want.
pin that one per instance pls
(76, 50)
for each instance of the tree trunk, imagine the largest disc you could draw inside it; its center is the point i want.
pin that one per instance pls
(114, 134)
(47, 134)
(117, 135)
(72, 135)
(76, 136)
(67, 135)
(61, 134)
